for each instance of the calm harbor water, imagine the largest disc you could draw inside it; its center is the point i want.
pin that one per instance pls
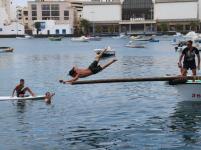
(122, 116)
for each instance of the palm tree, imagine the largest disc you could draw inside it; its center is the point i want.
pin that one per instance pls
(84, 25)
(37, 25)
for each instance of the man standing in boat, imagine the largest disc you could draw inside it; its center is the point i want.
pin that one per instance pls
(21, 90)
(94, 68)
(189, 62)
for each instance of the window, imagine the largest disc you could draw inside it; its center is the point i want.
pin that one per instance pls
(63, 31)
(25, 13)
(45, 18)
(55, 18)
(45, 7)
(33, 7)
(66, 18)
(34, 18)
(54, 7)
(66, 15)
(1, 29)
(54, 13)
(45, 13)
(34, 13)
(57, 31)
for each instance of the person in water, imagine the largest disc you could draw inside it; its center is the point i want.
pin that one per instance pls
(189, 62)
(94, 68)
(48, 97)
(20, 89)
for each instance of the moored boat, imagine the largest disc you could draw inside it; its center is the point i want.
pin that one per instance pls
(6, 49)
(109, 52)
(80, 39)
(55, 38)
(190, 91)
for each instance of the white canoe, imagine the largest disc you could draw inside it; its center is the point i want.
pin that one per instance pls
(6, 98)
(190, 91)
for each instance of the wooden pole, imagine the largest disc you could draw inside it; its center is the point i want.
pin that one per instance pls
(143, 79)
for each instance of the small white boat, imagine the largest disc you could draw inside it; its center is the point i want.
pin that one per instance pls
(6, 50)
(135, 45)
(94, 38)
(80, 39)
(24, 37)
(6, 98)
(140, 38)
(109, 52)
(121, 36)
(190, 91)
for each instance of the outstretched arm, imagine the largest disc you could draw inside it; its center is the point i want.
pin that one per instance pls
(13, 92)
(72, 80)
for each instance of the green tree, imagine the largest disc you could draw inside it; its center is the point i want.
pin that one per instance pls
(163, 27)
(194, 25)
(37, 25)
(98, 29)
(179, 27)
(84, 26)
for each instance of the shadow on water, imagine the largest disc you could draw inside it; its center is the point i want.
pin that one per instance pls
(186, 121)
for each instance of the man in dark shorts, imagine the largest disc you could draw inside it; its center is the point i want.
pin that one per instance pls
(21, 90)
(94, 68)
(189, 59)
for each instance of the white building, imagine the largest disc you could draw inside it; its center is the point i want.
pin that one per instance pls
(177, 12)
(104, 14)
(8, 24)
(49, 27)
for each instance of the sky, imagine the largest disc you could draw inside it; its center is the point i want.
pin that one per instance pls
(20, 2)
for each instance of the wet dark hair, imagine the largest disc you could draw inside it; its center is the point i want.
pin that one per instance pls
(21, 80)
(189, 41)
(71, 72)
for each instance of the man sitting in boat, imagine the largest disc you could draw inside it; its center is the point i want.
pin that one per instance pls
(21, 90)
(94, 68)
(189, 59)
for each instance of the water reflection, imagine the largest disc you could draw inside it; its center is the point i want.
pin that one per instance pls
(186, 121)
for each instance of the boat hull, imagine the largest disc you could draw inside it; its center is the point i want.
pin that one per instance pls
(190, 91)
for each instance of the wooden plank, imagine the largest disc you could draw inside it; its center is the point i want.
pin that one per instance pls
(142, 79)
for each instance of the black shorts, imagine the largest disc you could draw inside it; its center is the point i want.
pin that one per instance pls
(94, 67)
(189, 65)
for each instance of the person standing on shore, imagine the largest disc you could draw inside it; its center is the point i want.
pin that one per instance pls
(189, 62)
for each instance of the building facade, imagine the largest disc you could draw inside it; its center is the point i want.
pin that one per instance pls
(8, 23)
(60, 12)
(177, 15)
(22, 17)
(137, 16)
(104, 15)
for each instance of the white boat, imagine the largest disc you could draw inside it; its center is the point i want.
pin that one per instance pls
(140, 38)
(6, 98)
(190, 91)
(80, 39)
(6, 50)
(94, 38)
(107, 53)
(121, 36)
(135, 45)
(24, 37)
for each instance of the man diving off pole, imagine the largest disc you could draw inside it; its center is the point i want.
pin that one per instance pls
(94, 68)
